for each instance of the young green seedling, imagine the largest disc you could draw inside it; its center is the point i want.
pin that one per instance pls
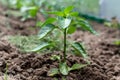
(114, 23)
(27, 8)
(65, 21)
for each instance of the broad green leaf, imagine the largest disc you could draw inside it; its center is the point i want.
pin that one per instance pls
(64, 22)
(68, 10)
(53, 72)
(58, 13)
(26, 8)
(80, 49)
(46, 30)
(40, 47)
(77, 66)
(71, 29)
(33, 11)
(74, 14)
(63, 68)
(48, 21)
(86, 26)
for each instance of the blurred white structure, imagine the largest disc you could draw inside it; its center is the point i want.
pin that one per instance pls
(109, 9)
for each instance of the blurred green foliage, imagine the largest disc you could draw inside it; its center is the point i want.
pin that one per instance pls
(29, 8)
(25, 43)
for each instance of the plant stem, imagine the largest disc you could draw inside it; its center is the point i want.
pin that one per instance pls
(64, 53)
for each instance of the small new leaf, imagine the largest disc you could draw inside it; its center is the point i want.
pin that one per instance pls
(40, 47)
(64, 22)
(46, 30)
(68, 9)
(55, 57)
(80, 49)
(53, 72)
(77, 66)
(63, 68)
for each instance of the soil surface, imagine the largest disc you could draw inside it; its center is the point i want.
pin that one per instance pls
(11, 25)
(104, 56)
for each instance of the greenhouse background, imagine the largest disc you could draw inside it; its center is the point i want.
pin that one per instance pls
(105, 9)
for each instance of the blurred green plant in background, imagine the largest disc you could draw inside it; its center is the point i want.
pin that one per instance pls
(29, 8)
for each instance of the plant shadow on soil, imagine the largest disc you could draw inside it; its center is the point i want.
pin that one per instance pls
(103, 55)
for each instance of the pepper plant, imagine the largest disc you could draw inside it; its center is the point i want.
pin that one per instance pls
(27, 8)
(65, 21)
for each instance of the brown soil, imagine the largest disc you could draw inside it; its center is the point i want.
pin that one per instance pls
(8, 78)
(103, 55)
(35, 66)
(10, 25)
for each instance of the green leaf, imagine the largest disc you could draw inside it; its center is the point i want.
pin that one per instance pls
(80, 49)
(26, 8)
(77, 66)
(74, 14)
(40, 47)
(71, 29)
(63, 68)
(53, 72)
(33, 11)
(58, 13)
(68, 10)
(49, 21)
(86, 26)
(64, 22)
(46, 30)
(55, 57)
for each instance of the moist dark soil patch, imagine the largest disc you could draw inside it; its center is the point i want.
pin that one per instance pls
(105, 64)
(104, 57)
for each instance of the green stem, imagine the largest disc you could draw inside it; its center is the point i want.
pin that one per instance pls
(64, 53)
